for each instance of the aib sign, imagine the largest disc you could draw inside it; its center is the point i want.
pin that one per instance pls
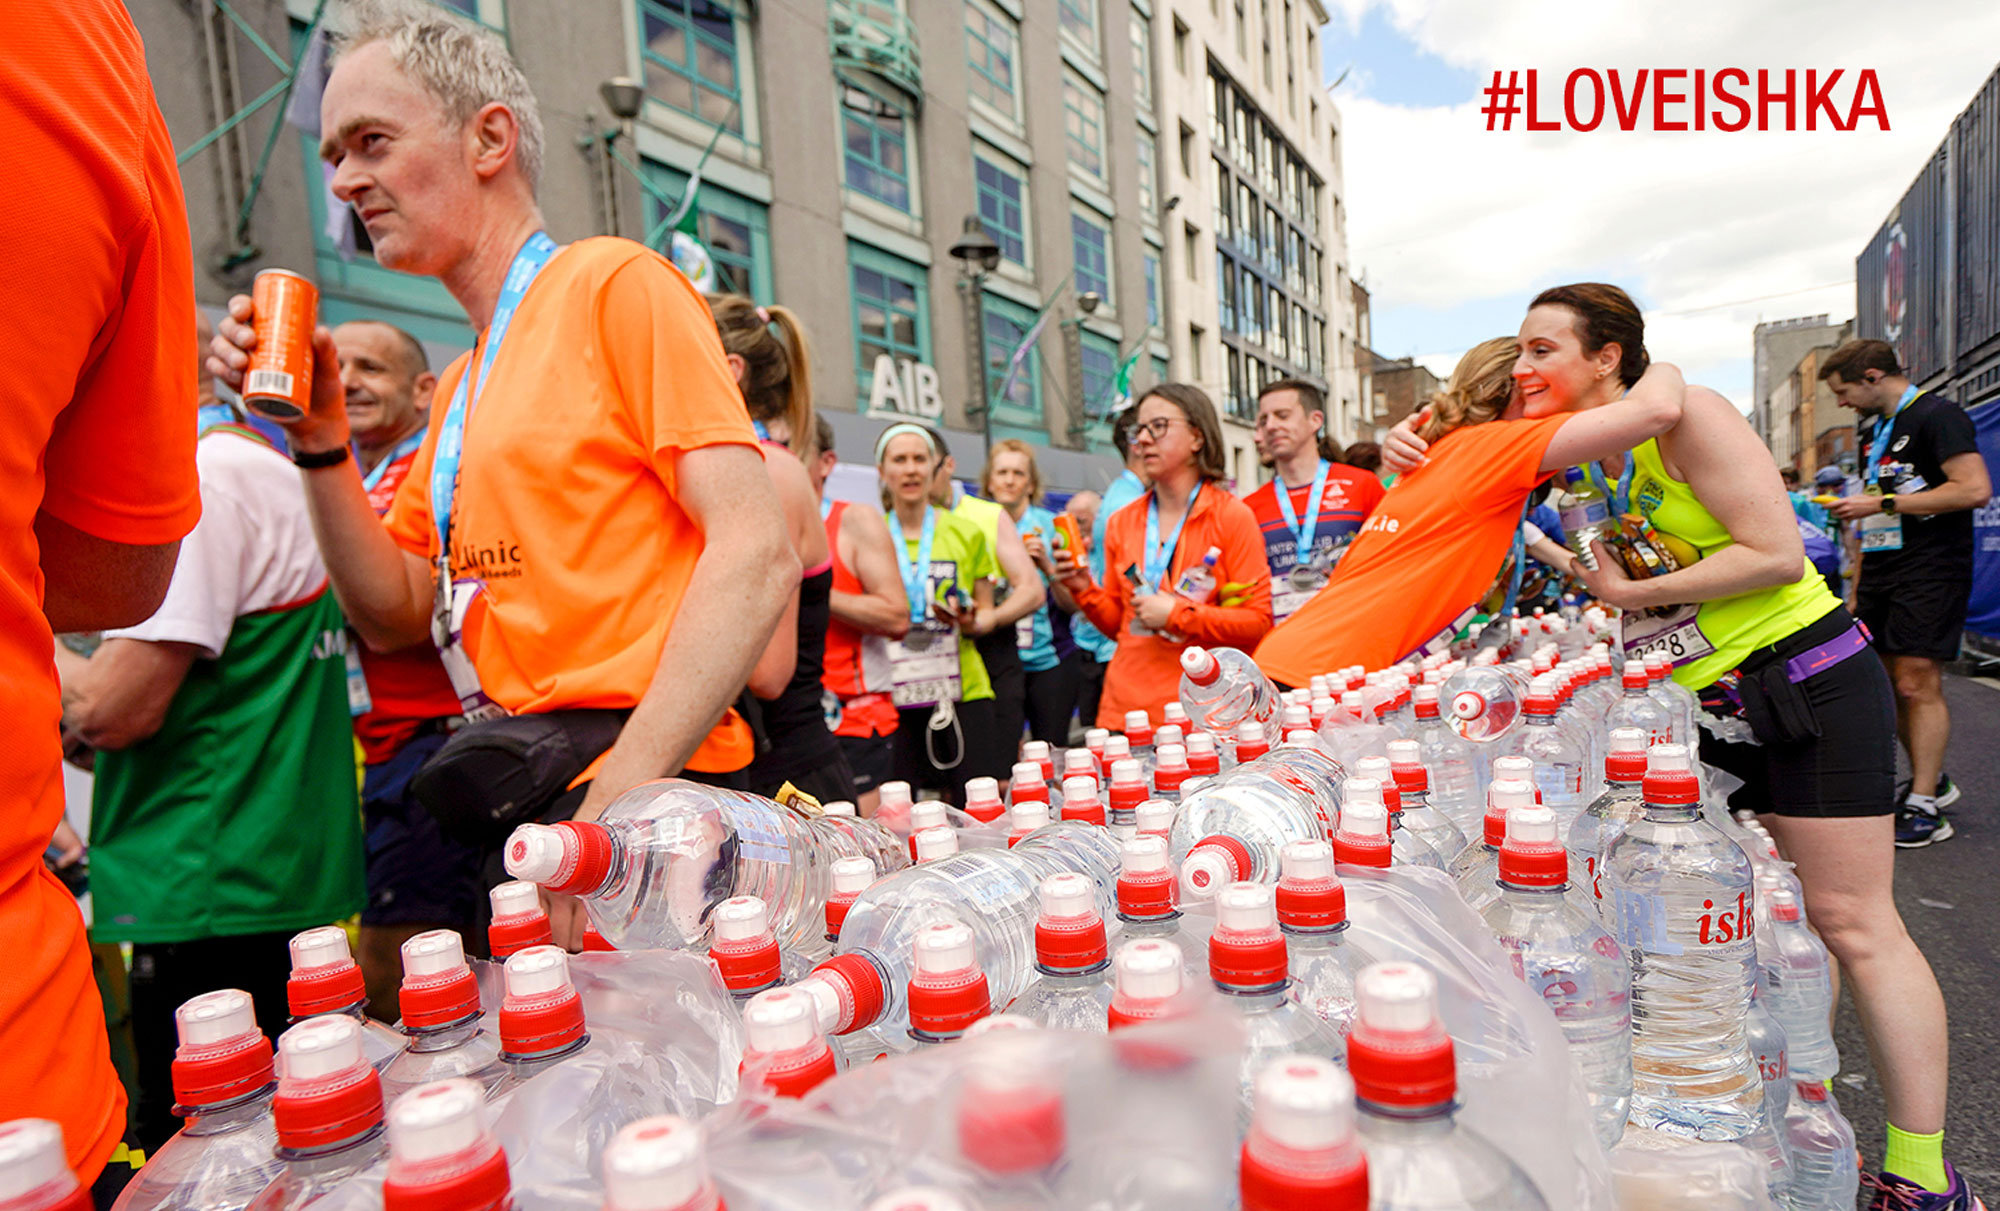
(1895, 282)
(905, 388)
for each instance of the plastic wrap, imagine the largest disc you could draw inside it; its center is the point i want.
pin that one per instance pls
(672, 1004)
(1657, 1172)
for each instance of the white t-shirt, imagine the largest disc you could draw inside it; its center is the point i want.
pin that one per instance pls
(252, 549)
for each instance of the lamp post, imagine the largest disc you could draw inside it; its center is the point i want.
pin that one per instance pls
(623, 97)
(1086, 306)
(977, 255)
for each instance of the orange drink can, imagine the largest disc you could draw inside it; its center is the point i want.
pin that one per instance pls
(278, 383)
(1069, 537)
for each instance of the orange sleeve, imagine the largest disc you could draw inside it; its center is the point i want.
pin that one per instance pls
(1108, 604)
(660, 346)
(409, 517)
(1243, 561)
(1508, 455)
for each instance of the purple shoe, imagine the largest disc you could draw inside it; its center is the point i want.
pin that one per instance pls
(1892, 1193)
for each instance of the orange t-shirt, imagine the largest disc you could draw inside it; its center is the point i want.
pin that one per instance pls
(97, 361)
(1430, 549)
(1145, 670)
(565, 505)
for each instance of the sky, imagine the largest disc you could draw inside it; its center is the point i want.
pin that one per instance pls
(1454, 229)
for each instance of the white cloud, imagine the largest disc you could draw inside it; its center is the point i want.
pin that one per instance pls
(1443, 214)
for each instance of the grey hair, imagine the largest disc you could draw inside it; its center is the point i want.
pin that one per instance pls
(464, 66)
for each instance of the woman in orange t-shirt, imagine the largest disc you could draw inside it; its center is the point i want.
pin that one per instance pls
(1152, 543)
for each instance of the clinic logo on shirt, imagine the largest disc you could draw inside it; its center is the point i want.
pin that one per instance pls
(498, 561)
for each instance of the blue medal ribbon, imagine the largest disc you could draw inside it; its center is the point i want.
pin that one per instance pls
(825, 507)
(1303, 536)
(1880, 445)
(763, 433)
(916, 576)
(1620, 499)
(402, 450)
(1160, 555)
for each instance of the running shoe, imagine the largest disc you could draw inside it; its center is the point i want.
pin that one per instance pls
(1892, 1193)
(1917, 827)
(1947, 791)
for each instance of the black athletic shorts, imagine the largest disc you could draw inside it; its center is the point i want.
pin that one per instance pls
(943, 760)
(870, 759)
(1914, 617)
(1849, 769)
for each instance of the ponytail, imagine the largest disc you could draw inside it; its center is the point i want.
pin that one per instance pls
(777, 376)
(1480, 386)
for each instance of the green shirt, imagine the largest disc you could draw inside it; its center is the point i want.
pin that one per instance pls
(961, 556)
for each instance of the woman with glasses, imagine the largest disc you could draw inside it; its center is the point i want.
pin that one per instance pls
(1156, 546)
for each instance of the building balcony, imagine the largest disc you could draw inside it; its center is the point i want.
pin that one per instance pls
(875, 49)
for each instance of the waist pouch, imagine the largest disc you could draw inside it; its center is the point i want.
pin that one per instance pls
(495, 774)
(1772, 692)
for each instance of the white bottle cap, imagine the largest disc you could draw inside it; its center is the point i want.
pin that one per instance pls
(1204, 870)
(433, 952)
(654, 1164)
(1427, 692)
(536, 852)
(1514, 767)
(983, 790)
(1094, 738)
(1137, 721)
(1358, 792)
(1067, 895)
(514, 899)
(839, 807)
(1405, 752)
(31, 1157)
(1126, 772)
(1027, 815)
(934, 843)
(1324, 704)
(1153, 816)
(1246, 908)
(1026, 773)
(894, 794)
(438, 1120)
(1305, 1103)
(1170, 755)
(926, 813)
(1302, 736)
(1318, 684)
(919, 1198)
(780, 1019)
(1079, 789)
(1174, 713)
(852, 875)
(1628, 740)
(741, 919)
(327, 945)
(1396, 997)
(1169, 733)
(1296, 716)
(1298, 697)
(1078, 761)
(1148, 969)
(1530, 824)
(1376, 768)
(1116, 749)
(1034, 750)
(537, 971)
(1198, 663)
(1305, 860)
(1663, 757)
(1001, 1022)
(1201, 743)
(944, 947)
(1143, 855)
(1506, 794)
(215, 1017)
(1362, 816)
(1249, 732)
(1353, 701)
(319, 1047)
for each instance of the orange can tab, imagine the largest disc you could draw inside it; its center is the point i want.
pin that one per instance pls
(278, 383)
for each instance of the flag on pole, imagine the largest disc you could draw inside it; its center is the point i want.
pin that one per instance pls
(1019, 357)
(685, 249)
(1120, 391)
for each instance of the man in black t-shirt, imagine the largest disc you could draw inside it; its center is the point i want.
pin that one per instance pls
(1922, 476)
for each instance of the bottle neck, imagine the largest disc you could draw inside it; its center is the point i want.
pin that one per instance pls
(445, 1037)
(355, 1150)
(1532, 897)
(231, 1116)
(1266, 998)
(1673, 813)
(1068, 979)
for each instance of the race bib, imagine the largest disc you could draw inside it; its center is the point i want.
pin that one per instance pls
(1882, 532)
(1675, 634)
(1024, 633)
(923, 666)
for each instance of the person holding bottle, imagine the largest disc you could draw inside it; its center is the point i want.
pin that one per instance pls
(1053, 662)
(1159, 542)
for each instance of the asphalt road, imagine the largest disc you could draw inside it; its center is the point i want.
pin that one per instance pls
(1946, 894)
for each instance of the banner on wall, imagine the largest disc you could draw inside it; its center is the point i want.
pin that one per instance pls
(1983, 618)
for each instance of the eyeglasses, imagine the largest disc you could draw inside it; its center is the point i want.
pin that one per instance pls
(1157, 428)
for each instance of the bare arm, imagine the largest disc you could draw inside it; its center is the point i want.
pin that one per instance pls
(1025, 594)
(1967, 486)
(1652, 407)
(808, 537)
(120, 695)
(94, 584)
(883, 606)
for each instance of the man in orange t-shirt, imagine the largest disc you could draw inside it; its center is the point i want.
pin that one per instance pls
(603, 439)
(97, 486)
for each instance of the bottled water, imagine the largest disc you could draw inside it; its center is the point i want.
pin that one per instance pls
(992, 891)
(223, 1076)
(1093, 742)
(34, 1170)
(1127, 791)
(784, 1052)
(1153, 818)
(440, 1001)
(1586, 515)
(850, 877)
(328, 1114)
(1025, 818)
(1482, 703)
(1222, 687)
(1682, 892)
(326, 979)
(1247, 963)
(442, 1152)
(1030, 781)
(1457, 787)
(1012, 1125)
(658, 1164)
(1171, 770)
(1564, 955)
(930, 844)
(1363, 836)
(982, 798)
(1233, 826)
(947, 991)
(541, 1017)
(1139, 732)
(1301, 1150)
(1683, 704)
(1798, 983)
(653, 867)
(1637, 707)
(1476, 870)
(1148, 982)
(1312, 913)
(1420, 815)
(1250, 743)
(1825, 1175)
(1767, 1049)
(518, 920)
(1203, 758)
(1411, 849)
(1081, 804)
(1146, 886)
(744, 948)
(1420, 1158)
(1559, 760)
(1072, 985)
(1608, 814)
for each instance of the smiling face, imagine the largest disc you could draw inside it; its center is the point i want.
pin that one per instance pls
(1553, 374)
(386, 391)
(1008, 479)
(1163, 437)
(906, 467)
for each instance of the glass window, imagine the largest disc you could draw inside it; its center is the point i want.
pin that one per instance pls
(1083, 124)
(1242, 139)
(1319, 346)
(1250, 296)
(1002, 207)
(1218, 112)
(690, 59)
(1273, 237)
(877, 149)
(1225, 277)
(1281, 330)
(1267, 162)
(1091, 241)
(1007, 324)
(735, 230)
(1238, 405)
(1159, 365)
(1099, 362)
(992, 47)
(1151, 267)
(1312, 276)
(1299, 353)
(1191, 250)
(891, 310)
(1221, 204)
(1079, 20)
(1149, 175)
(1294, 259)
(1247, 215)
(1142, 59)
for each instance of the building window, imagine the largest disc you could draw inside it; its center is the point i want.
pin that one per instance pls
(1319, 347)
(1250, 295)
(1218, 112)
(1142, 59)
(1151, 267)
(876, 135)
(1225, 291)
(1301, 353)
(690, 61)
(992, 47)
(1083, 125)
(1159, 366)
(1079, 20)
(1238, 406)
(1187, 151)
(1149, 176)
(891, 310)
(1091, 241)
(1181, 34)
(1248, 214)
(1313, 270)
(1242, 31)
(735, 230)
(1219, 202)
(1007, 324)
(1099, 362)
(1191, 250)
(1273, 241)
(1002, 208)
(1195, 333)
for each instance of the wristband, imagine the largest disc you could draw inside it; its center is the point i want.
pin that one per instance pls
(325, 458)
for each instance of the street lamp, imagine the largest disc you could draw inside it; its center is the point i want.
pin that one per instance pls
(623, 97)
(977, 255)
(1086, 306)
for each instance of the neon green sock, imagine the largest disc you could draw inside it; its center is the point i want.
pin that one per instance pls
(1917, 1158)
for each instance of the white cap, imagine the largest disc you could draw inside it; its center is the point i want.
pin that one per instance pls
(1000, 1022)
(1304, 1102)
(654, 1164)
(1353, 700)
(1034, 750)
(780, 1019)
(1295, 716)
(1137, 721)
(1374, 767)
(1117, 748)
(514, 899)
(1427, 692)
(1124, 772)
(1301, 735)
(1667, 757)
(1067, 895)
(1530, 824)
(1318, 684)
(839, 807)
(1170, 733)
(1249, 732)
(1507, 794)
(741, 919)
(1405, 752)
(1396, 996)
(1305, 860)
(1079, 788)
(1153, 816)
(31, 1157)
(433, 952)
(1174, 713)
(919, 1198)
(1201, 742)
(1628, 740)
(934, 843)
(926, 813)
(1514, 767)
(438, 1120)
(537, 971)
(1363, 815)
(327, 945)
(535, 852)
(1296, 697)
(1169, 755)
(894, 794)
(1358, 791)
(944, 947)
(1324, 704)
(1204, 872)
(1078, 761)
(215, 1017)
(852, 875)
(1148, 969)
(1025, 773)
(320, 1046)
(1027, 815)
(1094, 738)
(1143, 855)
(1246, 908)
(984, 790)
(1196, 661)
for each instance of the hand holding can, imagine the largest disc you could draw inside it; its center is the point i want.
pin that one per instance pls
(277, 384)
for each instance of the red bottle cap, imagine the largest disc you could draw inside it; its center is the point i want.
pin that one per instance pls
(783, 1049)
(743, 947)
(328, 1092)
(1069, 935)
(1309, 896)
(1398, 1052)
(438, 987)
(1246, 953)
(858, 983)
(573, 857)
(325, 978)
(518, 920)
(222, 1055)
(541, 1013)
(947, 991)
(442, 1155)
(1215, 861)
(1010, 1126)
(1531, 855)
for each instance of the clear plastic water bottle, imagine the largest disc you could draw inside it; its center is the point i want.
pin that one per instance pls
(947, 990)
(1482, 703)
(1248, 964)
(1232, 827)
(328, 1114)
(1476, 870)
(1682, 892)
(1767, 1049)
(443, 1153)
(1458, 787)
(1825, 1174)
(1072, 984)
(518, 921)
(223, 1083)
(653, 867)
(1798, 983)
(1146, 907)
(440, 1003)
(1222, 687)
(1565, 956)
(1559, 760)
(1420, 1158)
(658, 1164)
(1682, 702)
(34, 1169)
(1410, 848)
(1586, 515)
(1608, 814)
(1420, 814)
(784, 1052)
(1301, 1150)
(1312, 914)
(326, 979)
(1637, 707)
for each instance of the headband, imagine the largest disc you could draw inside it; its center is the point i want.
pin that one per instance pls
(899, 429)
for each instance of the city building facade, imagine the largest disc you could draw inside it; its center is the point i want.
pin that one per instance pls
(1791, 409)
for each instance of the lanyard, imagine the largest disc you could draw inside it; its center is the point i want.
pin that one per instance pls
(1302, 535)
(763, 433)
(1621, 500)
(1880, 446)
(916, 576)
(1159, 555)
(825, 507)
(402, 451)
(451, 435)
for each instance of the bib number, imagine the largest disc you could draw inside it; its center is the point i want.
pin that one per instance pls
(1882, 532)
(1675, 634)
(924, 667)
(1024, 633)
